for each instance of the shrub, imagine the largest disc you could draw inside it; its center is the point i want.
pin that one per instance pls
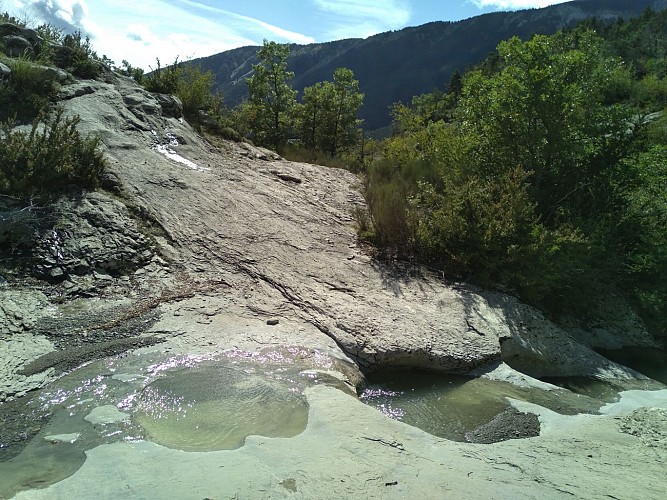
(49, 159)
(27, 91)
(478, 227)
(299, 153)
(85, 63)
(163, 80)
(191, 85)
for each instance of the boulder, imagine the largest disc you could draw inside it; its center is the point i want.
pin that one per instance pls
(9, 29)
(172, 107)
(16, 46)
(63, 56)
(5, 71)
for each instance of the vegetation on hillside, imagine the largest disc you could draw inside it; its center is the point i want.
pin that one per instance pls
(542, 171)
(50, 158)
(324, 121)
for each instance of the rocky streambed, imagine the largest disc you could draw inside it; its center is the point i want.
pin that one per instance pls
(220, 272)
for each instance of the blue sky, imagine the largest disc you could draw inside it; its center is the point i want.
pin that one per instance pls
(141, 30)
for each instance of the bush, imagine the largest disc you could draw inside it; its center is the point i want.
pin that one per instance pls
(27, 91)
(84, 63)
(49, 159)
(163, 80)
(190, 84)
(479, 227)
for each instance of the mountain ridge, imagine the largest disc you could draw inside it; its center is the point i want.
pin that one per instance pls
(396, 65)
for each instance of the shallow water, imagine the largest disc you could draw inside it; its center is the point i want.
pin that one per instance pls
(450, 406)
(216, 407)
(188, 403)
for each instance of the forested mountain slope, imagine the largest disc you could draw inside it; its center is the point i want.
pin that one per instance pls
(395, 66)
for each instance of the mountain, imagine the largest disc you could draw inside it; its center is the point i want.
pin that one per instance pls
(396, 65)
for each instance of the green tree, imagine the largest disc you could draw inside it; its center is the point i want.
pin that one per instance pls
(328, 115)
(271, 96)
(544, 111)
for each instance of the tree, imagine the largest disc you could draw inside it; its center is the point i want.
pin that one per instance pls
(544, 110)
(271, 96)
(328, 115)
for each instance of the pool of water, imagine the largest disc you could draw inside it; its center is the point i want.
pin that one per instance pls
(451, 406)
(191, 403)
(216, 407)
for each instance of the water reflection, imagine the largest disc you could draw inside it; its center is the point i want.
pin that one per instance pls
(188, 402)
(450, 406)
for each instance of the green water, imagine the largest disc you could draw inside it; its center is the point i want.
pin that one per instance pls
(188, 403)
(449, 406)
(216, 407)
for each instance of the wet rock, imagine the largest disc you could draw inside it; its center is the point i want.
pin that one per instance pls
(4, 71)
(510, 424)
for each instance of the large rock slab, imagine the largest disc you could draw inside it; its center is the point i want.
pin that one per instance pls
(281, 237)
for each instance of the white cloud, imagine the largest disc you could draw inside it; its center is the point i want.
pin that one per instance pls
(355, 18)
(250, 23)
(393, 13)
(143, 30)
(516, 4)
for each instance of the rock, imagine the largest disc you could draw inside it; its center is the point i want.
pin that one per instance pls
(63, 438)
(650, 426)
(63, 56)
(511, 424)
(4, 71)
(287, 177)
(243, 247)
(16, 46)
(20, 310)
(94, 233)
(172, 107)
(51, 73)
(611, 324)
(9, 29)
(107, 414)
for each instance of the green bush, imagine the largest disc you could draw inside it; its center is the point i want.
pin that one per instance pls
(163, 80)
(27, 91)
(643, 235)
(49, 159)
(479, 227)
(84, 63)
(190, 84)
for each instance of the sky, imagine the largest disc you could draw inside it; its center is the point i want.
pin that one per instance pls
(139, 31)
